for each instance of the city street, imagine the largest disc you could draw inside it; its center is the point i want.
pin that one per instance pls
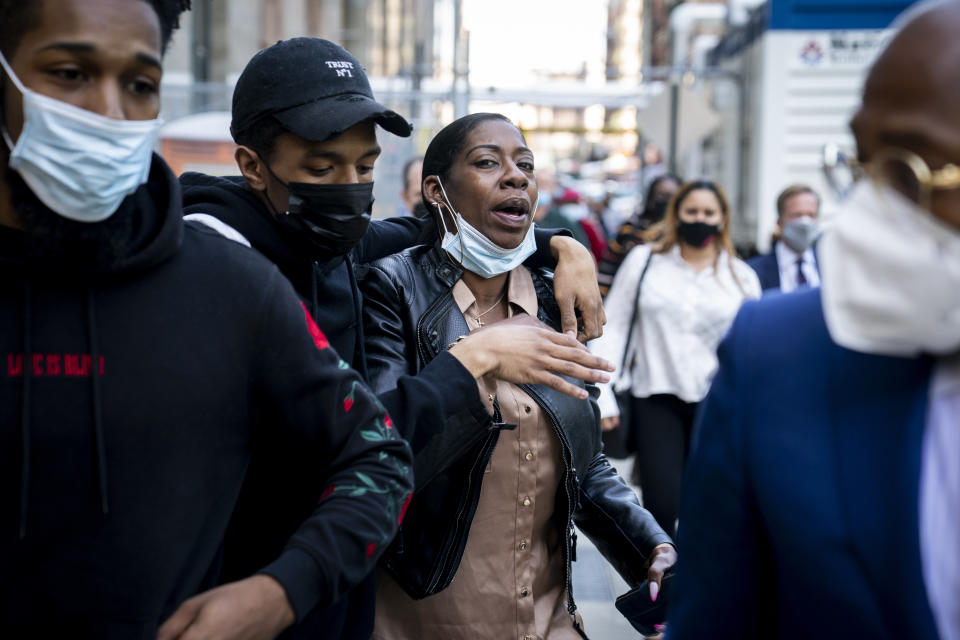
(596, 586)
(319, 318)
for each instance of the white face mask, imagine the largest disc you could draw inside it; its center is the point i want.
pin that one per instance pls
(78, 163)
(475, 252)
(891, 276)
(800, 234)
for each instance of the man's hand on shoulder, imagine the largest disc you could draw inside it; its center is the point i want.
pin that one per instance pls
(575, 288)
(256, 608)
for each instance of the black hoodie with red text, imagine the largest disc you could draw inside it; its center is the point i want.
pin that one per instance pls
(131, 398)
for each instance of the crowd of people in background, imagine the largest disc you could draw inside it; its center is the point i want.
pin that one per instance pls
(664, 323)
(238, 407)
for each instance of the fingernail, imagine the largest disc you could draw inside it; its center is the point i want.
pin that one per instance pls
(654, 591)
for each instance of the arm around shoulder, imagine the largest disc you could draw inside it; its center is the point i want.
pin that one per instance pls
(386, 237)
(619, 307)
(575, 282)
(544, 256)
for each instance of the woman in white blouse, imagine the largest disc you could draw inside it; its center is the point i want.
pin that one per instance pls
(668, 308)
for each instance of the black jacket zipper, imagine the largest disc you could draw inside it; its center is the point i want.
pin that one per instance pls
(447, 558)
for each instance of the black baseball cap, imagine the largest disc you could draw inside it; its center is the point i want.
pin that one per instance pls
(314, 88)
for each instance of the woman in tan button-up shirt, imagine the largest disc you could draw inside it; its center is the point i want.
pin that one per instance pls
(485, 551)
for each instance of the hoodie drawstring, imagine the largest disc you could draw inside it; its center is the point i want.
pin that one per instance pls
(361, 356)
(97, 406)
(358, 315)
(25, 417)
(314, 302)
(27, 369)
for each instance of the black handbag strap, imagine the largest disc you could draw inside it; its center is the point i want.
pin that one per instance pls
(636, 311)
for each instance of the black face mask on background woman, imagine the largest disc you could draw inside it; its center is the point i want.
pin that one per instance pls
(656, 210)
(697, 234)
(328, 219)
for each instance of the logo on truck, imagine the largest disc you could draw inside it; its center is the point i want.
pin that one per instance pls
(811, 53)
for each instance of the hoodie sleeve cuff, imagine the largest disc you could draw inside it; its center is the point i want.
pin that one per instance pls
(543, 257)
(459, 386)
(301, 577)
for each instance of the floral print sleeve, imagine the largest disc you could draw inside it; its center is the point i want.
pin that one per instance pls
(329, 409)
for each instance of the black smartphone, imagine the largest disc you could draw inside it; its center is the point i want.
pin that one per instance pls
(636, 606)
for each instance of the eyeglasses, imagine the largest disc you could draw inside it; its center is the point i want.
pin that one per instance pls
(900, 169)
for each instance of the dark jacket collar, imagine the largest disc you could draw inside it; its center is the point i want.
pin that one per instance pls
(441, 321)
(153, 232)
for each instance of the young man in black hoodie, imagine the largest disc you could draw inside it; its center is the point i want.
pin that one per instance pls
(305, 119)
(144, 359)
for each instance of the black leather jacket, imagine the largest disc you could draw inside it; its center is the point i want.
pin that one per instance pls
(410, 319)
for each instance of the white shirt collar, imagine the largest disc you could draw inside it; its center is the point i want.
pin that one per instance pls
(786, 255)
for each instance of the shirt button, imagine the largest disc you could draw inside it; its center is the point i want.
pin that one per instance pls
(526, 501)
(527, 408)
(524, 592)
(523, 545)
(528, 456)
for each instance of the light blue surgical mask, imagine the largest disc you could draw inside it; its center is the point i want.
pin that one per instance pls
(800, 234)
(475, 252)
(79, 163)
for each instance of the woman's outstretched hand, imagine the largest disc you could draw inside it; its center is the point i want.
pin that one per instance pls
(663, 557)
(524, 350)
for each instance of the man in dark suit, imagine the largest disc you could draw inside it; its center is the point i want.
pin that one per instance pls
(823, 489)
(792, 262)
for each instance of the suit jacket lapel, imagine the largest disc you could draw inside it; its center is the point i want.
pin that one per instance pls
(774, 267)
(879, 405)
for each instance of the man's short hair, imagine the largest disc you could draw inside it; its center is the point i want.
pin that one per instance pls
(406, 170)
(262, 137)
(19, 16)
(794, 190)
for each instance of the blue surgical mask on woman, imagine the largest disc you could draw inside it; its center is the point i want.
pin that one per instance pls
(475, 252)
(78, 163)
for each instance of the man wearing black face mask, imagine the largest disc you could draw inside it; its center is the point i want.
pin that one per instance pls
(305, 119)
(631, 232)
(146, 360)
